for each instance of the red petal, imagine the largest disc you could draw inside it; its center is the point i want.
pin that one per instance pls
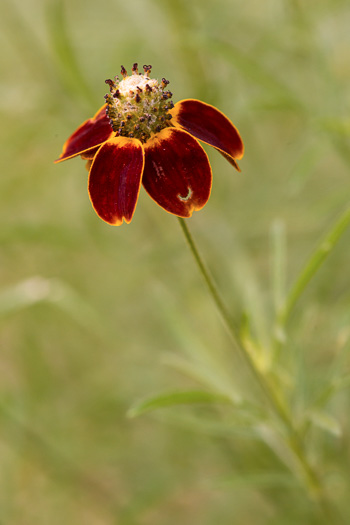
(177, 172)
(91, 133)
(115, 179)
(208, 124)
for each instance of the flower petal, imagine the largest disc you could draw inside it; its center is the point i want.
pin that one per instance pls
(177, 172)
(208, 124)
(93, 132)
(115, 179)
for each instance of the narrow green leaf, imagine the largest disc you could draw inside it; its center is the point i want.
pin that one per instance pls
(177, 398)
(319, 255)
(325, 422)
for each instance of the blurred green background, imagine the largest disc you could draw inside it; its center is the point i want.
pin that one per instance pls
(94, 318)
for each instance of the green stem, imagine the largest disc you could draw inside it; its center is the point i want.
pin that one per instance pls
(271, 396)
(277, 405)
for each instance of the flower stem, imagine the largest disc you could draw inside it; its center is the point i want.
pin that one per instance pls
(231, 325)
(276, 404)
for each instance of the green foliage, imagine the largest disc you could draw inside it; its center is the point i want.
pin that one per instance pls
(244, 417)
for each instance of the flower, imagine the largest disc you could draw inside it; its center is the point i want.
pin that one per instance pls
(139, 135)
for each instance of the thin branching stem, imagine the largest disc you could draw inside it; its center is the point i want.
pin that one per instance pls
(232, 328)
(276, 404)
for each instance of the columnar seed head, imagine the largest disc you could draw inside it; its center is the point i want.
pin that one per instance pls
(137, 105)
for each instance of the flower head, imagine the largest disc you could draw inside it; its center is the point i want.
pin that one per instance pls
(140, 136)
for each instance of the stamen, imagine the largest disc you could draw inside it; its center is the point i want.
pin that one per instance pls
(137, 105)
(167, 94)
(110, 83)
(147, 70)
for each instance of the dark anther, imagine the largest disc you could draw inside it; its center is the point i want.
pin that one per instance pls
(155, 110)
(171, 104)
(106, 97)
(167, 94)
(128, 117)
(168, 116)
(122, 124)
(162, 118)
(110, 83)
(139, 89)
(131, 135)
(158, 128)
(165, 82)
(149, 117)
(148, 88)
(147, 70)
(134, 69)
(142, 119)
(137, 127)
(116, 94)
(137, 98)
(123, 71)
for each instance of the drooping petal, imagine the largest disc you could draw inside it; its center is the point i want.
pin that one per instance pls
(115, 179)
(177, 173)
(208, 124)
(93, 132)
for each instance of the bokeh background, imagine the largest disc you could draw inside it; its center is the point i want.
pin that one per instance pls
(95, 318)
